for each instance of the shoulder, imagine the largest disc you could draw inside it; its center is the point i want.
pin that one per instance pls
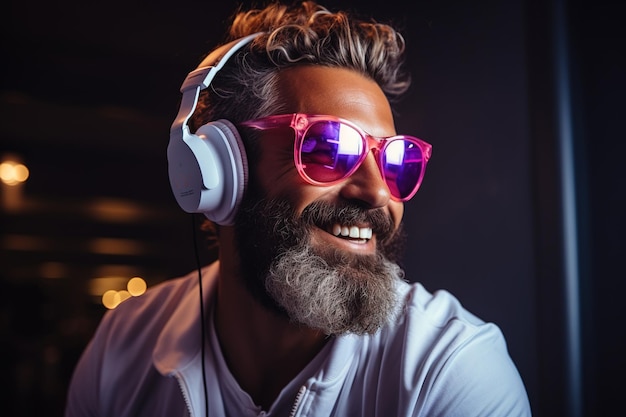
(132, 329)
(433, 315)
(438, 307)
(121, 351)
(149, 309)
(438, 324)
(457, 362)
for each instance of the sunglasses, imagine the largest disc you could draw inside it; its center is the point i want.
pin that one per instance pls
(328, 149)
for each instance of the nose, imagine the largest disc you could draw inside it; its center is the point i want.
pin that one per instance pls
(366, 184)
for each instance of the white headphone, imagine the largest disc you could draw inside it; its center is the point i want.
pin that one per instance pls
(208, 170)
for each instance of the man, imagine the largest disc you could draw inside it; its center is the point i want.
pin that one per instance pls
(296, 161)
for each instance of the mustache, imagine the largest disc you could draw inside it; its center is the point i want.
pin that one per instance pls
(322, 214)
(288, 229)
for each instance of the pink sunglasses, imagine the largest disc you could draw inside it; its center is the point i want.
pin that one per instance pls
(328, 149)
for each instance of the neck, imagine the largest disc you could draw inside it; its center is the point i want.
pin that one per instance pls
(264, 351)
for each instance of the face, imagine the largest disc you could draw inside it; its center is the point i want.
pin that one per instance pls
(342, 93)
(295, 257)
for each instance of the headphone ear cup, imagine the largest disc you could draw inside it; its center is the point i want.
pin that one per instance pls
(208, 171)
(231, 165)
(234, 169)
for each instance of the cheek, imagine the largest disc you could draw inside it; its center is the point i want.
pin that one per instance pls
(397, 211)
(275, 179)
(272, 164)
(275, 171)
(297, 191)
(278, 178)
(304, 194)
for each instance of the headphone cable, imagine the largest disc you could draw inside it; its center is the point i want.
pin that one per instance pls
(202, 324)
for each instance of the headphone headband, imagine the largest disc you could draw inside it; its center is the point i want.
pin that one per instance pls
(200, 78)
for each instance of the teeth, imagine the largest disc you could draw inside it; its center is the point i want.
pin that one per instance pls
(352, 232)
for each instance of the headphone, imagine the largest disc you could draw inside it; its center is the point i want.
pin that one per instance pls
(208, 169)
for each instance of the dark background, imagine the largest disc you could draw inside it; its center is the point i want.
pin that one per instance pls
(89, 90)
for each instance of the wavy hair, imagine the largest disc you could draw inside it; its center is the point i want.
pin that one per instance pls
(300, 34)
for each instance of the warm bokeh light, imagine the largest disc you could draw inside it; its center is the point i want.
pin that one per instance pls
(111, 297)
(136, 286)
(123, 295)
(13, 173)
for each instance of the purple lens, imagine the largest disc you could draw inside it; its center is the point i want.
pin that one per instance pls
(403, 165)
(330, 150)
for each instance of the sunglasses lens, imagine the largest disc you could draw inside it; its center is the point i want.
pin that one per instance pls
(403, 165)
(330, 150)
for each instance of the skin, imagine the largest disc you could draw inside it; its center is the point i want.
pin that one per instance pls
(264, 351)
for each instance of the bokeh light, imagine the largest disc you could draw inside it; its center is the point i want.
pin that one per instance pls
(135, 287)
(13, 173)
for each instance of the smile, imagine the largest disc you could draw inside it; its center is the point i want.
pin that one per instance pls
(352, 232)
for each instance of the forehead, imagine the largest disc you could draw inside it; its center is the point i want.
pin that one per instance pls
(339, 92)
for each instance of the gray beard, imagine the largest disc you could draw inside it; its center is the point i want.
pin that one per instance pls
(330, 290)
(357, 296)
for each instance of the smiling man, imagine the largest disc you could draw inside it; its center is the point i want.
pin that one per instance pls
(319, 255)
(285, 140)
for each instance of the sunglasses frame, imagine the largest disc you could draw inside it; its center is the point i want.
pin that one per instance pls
(301, 122)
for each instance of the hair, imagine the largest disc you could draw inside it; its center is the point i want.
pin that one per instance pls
(300, 34)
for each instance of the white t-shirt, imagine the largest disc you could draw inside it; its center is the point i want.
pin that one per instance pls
(438, 360)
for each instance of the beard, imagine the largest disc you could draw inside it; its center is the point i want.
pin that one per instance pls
(324, 288)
